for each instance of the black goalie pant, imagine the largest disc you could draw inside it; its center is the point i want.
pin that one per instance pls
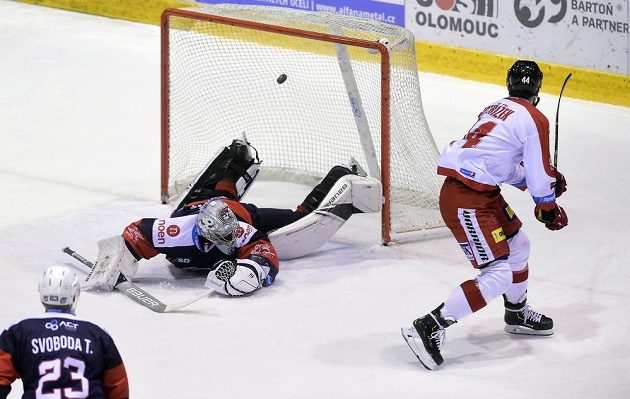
(270, 219)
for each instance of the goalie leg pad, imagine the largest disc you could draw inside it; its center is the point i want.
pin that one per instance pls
(317, 195)
(306, 235)
(234, 163)
(351, 194)
(361, 193)
(366, 194)
(113, 259)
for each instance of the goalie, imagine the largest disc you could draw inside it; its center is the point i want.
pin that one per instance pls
(238, 243)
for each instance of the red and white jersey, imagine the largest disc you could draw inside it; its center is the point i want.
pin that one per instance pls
(178, 232)
(509, 143)
(177, 238)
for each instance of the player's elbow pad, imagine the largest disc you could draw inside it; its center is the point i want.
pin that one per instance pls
(236, 279)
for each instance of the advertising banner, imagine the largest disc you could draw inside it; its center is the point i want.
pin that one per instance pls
(389, 11)
(586, 34)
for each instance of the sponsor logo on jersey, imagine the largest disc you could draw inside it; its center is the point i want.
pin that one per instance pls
(263, 250)
(546, 199)
(161, 226)
(509, 212)
(243, 234)
(466, 248)
(173, 230)
(55, 324)
(467, 172)
(498, 234)
(133, 233)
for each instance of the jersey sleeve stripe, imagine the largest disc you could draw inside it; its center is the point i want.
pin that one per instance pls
(8, 373)
(239, 210)
(115, 383)
(542, 126)
(262, 248)
(137, 242)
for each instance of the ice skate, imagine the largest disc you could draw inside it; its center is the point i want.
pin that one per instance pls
(425, 338)
(521, 319)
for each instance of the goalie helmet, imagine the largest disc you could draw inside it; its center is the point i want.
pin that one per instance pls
(524, 79)
(217, 223)
(59, 287)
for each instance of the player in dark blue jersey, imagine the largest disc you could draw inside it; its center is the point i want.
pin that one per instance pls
(239, 244)
(57, 354)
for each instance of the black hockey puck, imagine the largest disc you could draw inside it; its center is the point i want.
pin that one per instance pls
(281, 79)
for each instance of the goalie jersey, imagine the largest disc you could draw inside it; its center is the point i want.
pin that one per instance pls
(59, 355)
(509, 143)
(175, 238)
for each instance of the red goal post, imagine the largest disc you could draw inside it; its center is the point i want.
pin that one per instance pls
(351, 90)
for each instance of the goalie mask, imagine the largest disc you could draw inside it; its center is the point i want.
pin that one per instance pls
(524, 80)
(59, 287)
(217, 223)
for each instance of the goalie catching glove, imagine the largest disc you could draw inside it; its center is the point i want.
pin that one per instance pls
(236, 278)
(113, 259)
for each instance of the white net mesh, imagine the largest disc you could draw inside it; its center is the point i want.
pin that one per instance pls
(222, 81)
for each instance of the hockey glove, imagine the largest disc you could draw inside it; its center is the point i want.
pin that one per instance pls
(235, 279)
(553, 216)
(560, 186)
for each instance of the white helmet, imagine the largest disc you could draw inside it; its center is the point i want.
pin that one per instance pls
(59, 287)
(217, 223)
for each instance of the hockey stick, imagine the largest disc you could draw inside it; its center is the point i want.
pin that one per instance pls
(555, 148)
(136, 293)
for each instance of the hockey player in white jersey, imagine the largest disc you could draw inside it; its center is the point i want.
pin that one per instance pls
(509, 144)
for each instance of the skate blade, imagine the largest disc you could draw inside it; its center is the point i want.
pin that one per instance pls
(422, 355)
(521, 330)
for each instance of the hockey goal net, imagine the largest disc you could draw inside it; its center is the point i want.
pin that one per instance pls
(351, 90)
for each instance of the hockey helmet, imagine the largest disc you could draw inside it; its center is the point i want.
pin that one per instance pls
(217, 223)
(524, 79)
(59, 287)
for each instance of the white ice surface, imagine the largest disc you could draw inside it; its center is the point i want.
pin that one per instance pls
(79, 160)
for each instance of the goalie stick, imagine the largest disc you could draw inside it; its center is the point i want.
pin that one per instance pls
(136, 293)
(555, 148)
